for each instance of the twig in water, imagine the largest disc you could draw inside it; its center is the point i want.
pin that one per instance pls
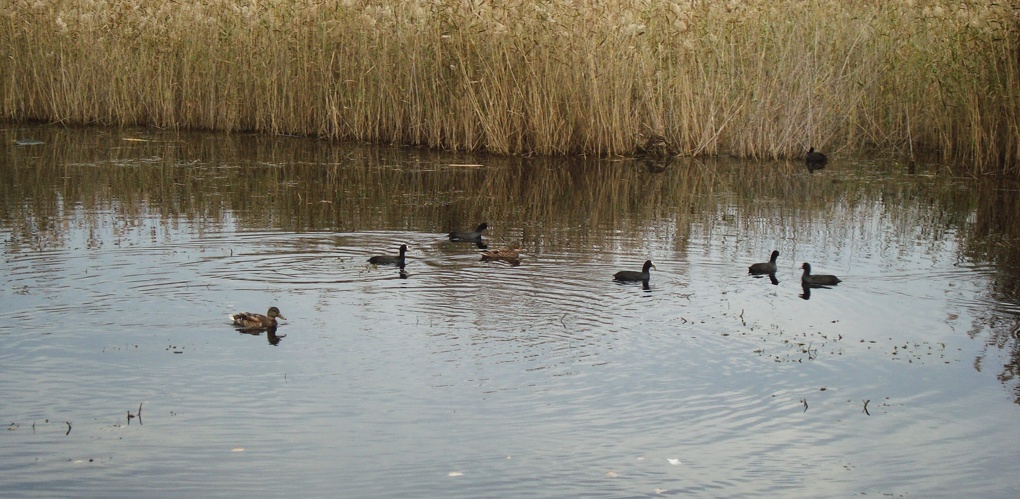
(132, 416)
(866, 407)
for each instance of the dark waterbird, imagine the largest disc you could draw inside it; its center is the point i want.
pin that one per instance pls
(632, 276)
(815, 160)
(768, 267)
(470, 237)
(249, 320)
(390, 259)
(817, 280)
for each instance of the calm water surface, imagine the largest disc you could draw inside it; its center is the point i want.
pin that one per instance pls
(124, 251)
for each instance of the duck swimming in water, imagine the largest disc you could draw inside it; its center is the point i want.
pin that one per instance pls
(249, 320)
(634, 276)
(768, 267)
(815, 160)
(470, 237)
(817, 280)
(390, 259)
(511, 254)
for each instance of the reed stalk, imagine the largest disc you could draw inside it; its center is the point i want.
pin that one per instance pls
(931, 79)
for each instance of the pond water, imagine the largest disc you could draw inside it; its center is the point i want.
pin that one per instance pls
(125, 250)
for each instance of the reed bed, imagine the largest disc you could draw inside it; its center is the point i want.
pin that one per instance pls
(750, 78)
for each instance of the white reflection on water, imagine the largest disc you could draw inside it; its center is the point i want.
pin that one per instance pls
(544, 379)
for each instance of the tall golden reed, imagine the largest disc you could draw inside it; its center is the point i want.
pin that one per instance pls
(752, 78)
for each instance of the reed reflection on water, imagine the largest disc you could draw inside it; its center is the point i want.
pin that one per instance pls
(124, 250)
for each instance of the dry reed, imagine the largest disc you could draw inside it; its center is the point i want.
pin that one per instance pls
(751, 78)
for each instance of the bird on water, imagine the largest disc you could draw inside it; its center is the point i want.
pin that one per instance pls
(768, 267)
(468, 236)
(511, 254)
(634, 276)
(817, 280)
(390, 259)
(815, 160)
(249, 320)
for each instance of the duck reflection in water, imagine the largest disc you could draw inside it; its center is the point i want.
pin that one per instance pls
(806, 294)
(274, 339)
(402, 272)
(654, 165)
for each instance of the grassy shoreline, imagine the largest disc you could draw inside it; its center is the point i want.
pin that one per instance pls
(934, 79)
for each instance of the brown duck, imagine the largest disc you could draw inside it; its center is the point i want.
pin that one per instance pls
(511, 254)
(249, 320)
